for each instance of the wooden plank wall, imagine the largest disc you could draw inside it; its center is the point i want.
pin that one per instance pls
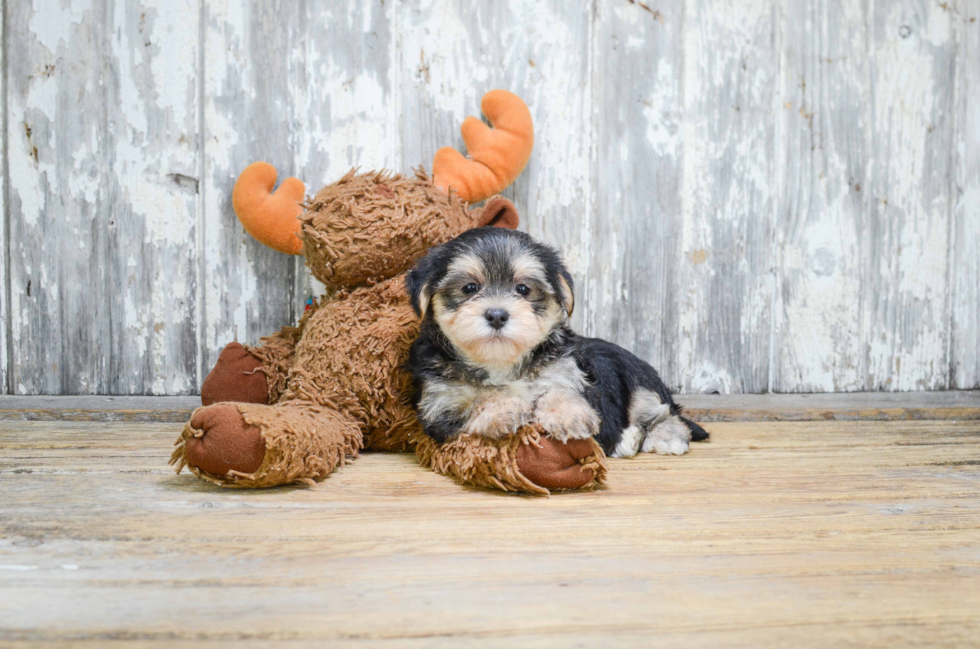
(755, 196)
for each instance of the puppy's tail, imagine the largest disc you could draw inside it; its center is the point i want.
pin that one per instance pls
(698, 434)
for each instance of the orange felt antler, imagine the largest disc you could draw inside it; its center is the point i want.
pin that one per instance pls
(269, 217)
(496, 155)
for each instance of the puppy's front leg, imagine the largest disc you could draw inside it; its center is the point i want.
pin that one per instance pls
(499, 416)
(566, 415)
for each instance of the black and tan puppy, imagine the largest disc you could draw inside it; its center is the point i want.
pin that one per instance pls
(495, 353)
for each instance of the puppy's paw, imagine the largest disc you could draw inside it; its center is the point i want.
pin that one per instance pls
(669, 437)
(566, 416)
(629, 442)
(499, 418)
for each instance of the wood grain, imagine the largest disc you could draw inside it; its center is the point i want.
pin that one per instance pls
(56, 106)
(965, 262)
(636, 223)
(825, 125)
(724, 293)
(345, 109)
(5, 218)
(905, 320)
(854, 534)
(102, 137)
(152, 147)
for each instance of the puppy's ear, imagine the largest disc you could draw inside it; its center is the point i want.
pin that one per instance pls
(499, 213)
(419, 282)
(419, 291)
(565, 293)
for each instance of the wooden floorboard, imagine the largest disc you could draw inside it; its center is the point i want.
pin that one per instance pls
(810, 534)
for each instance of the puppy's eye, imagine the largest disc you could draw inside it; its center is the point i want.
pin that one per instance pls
(471, 288)
(522, 289)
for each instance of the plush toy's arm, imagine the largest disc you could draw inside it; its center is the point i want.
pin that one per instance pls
(527, 461)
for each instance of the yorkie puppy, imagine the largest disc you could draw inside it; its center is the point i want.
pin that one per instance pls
(495, 353)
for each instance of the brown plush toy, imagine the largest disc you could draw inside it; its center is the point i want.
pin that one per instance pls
(294, 408)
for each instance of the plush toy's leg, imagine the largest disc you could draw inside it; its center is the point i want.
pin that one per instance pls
(237, 376)
(528, 461)
(276, 353)
(251, 445)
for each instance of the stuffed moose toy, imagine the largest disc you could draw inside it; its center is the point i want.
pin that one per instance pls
(313, 395)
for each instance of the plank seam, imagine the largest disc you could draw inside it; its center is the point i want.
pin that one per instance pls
(588, 321)
(395, 141)
(201, 205)
(951, 207)
(104, 217)
(303, 20)
(778, 148)
(8, 342)
(865, 249)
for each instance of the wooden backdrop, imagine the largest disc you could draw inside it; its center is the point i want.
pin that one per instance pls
(753, 195)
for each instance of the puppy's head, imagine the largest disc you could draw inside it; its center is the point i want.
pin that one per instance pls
(496, 294)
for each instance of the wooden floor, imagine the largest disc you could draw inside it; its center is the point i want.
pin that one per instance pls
(811, 534)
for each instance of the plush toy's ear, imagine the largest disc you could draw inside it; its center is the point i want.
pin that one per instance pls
(500, 213)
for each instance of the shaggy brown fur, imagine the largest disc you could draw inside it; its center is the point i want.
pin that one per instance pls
(504, 464)
(391, 220)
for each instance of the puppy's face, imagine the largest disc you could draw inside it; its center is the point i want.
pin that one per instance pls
(496, 294)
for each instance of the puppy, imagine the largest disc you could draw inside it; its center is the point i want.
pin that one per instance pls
(495, 353)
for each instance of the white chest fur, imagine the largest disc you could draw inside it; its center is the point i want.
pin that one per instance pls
(438, 397)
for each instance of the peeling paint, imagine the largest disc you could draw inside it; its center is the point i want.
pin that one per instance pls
(52, 23)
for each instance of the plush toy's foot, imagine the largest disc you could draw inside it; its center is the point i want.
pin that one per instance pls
(237, 376)
(256, 445)
(556, 465)
(223, 442)
(528, 461)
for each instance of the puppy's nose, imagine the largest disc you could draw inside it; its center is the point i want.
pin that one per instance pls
(496, 317)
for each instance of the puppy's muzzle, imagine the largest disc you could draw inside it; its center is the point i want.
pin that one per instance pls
(497, 318)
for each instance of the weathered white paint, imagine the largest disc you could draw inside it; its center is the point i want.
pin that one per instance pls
(755, 195)
(965, 196)
(152, 255)
(306, 88)
(724, 290)
(636, 221)
(4, 284)
(58, 97)
(906, 322)
(824, 130)
(101, 131)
